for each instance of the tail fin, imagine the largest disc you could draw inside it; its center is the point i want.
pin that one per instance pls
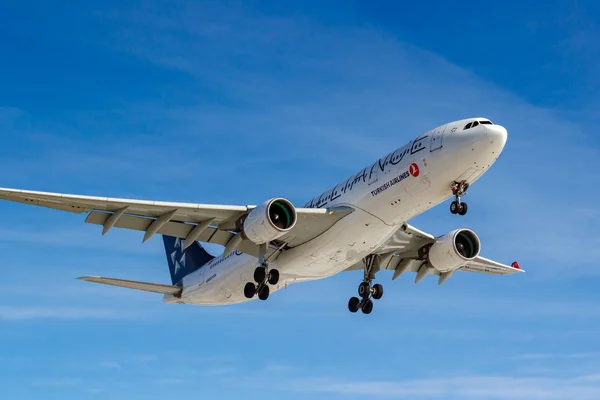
(183, 262)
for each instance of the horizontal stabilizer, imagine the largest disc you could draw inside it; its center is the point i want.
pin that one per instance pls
(145, 286)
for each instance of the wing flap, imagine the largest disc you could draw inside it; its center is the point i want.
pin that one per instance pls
(311, 223)
(145, 286)
(407, 240)
(176, 229)
(394, 263)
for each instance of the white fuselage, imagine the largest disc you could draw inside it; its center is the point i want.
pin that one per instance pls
(385, 194)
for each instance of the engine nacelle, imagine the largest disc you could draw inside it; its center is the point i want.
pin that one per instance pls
(454, 249)
(270, 221)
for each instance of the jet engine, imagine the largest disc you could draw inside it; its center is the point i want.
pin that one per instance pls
(454, 249)
(270, 221)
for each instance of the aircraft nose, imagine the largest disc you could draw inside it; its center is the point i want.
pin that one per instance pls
(497, 135)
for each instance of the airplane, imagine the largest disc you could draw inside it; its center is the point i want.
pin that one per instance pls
(359, 224)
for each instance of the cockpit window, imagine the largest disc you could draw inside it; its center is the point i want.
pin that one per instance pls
(475, 123)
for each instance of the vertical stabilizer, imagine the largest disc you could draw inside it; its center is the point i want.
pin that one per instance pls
(184, 262)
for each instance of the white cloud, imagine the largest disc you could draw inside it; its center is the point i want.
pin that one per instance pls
(22, 313)
(171, 381)
(57, 382)
(79, 236)
(585, 387)
(110, 365)
(548, 356)
(8, 114)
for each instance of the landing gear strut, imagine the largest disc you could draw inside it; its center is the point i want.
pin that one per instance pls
(459, 189)
(262, 276)
(365, 290)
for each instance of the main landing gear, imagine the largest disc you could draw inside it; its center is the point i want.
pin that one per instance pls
(459, 189)
(262, 276)
(365, 290)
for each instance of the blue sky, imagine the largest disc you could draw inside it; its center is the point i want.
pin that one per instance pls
(230, 102)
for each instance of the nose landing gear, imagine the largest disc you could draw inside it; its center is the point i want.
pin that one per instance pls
(365, 290)
(459, 189)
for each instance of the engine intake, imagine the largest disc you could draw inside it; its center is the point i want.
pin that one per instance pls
(454, 249)
(270, 221)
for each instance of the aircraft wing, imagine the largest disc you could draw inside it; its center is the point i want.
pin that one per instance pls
(203, 222)
(401, 254)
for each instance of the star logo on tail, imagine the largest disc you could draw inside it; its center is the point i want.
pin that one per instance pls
(178, 256)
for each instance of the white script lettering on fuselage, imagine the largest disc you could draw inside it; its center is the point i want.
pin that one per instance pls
(366, 174)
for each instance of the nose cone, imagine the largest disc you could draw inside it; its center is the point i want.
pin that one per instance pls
(497, 136)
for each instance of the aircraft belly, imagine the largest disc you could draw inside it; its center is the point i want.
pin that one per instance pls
(347, 242)
(225, 282)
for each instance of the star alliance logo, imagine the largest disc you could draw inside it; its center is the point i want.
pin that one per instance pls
(178, 256)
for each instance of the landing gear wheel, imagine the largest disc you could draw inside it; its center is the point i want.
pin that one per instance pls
(354, 304)
(250, 290)
(364, 290)
(377, 291)
(260, 274)
(367, 306)
(263, 292)
(454, 207)
(273, 277)
(459, 189)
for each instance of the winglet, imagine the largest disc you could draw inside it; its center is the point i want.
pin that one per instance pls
(516, 265)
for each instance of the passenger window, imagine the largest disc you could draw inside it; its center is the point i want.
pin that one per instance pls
(467, 126)
(475, 124)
